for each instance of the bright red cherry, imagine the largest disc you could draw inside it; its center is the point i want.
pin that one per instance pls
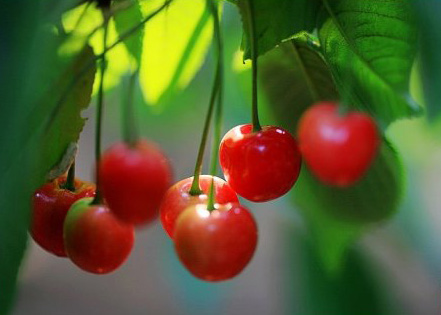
(178, 198)
(95, 240)
(337, 147)
(216, 245)
(50, 205)
(260, 166)
(134, 180)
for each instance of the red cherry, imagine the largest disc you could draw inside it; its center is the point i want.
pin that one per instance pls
(338, 148)
(134, 180)
(216, 245)
(260, 166)
(95, 240)
(50, 204)
(178, 198)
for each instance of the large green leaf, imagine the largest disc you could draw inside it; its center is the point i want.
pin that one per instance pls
(370, 46)
(357, 289)
(128, 14)
(276, 20)
(294, 77)
(42, 122)
(429, 13)
(337, 216)
(13, 207)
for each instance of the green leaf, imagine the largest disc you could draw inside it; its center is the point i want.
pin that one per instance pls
(370, 47)
(17, 16)
(129, 13)
(337, 216)
(428, 15)
(40, 130)
(80, 23)
(294, 76)
(174, 47)
(357, 289)
(296, 73)
(65, 123)
(276, 21)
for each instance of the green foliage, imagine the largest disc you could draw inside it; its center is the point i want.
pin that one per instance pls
(276, 21)
(43, 120)
(428, 14)
(356, 290)
(296, 73)
(174, 47)
(370, 48)
(64, 102)
(368, 45)
(84, 26)
(129, 13)
(294, 76)
(337, 216)
(14, 197)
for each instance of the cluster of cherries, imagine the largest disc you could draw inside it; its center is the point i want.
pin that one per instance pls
(214, 245)
(98, 236)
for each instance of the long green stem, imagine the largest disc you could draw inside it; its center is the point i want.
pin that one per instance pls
(254, 55)
(218, 122)
(195, 187)
(99, 113)
(130, 130)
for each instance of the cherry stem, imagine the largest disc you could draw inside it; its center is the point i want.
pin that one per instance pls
(254, 55)
(130, 130)
(99, 111)
(218, 122)
(195, 187)
(70, 181)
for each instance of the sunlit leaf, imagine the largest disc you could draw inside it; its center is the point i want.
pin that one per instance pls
(370, 47)
(79, 24)
(277, 20)
(127, 16)
(174, 47)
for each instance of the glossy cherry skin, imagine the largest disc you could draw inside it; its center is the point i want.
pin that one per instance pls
(50, 205)
(134, 180)
(216, 245)
(338, 148)
(95, 240)
(178, 198)
(260, 166)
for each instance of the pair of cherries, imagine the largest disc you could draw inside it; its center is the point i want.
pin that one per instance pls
(337, 147)
(99, 238)
(213, 245)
